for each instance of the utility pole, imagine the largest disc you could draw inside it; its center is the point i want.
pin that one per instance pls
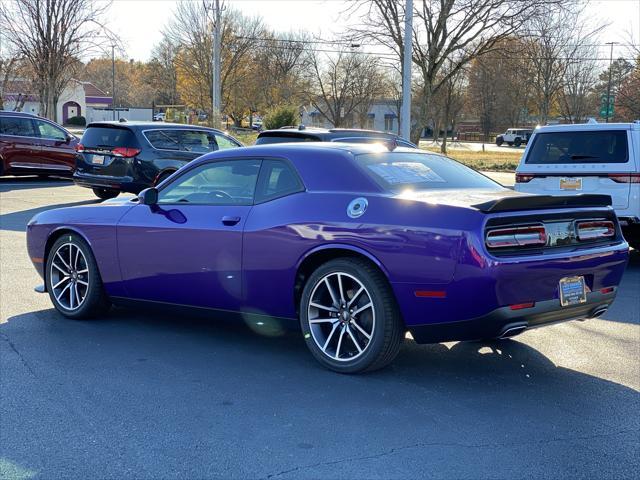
(609, 83)
(216, 90)
(113, 80)
(405, 113)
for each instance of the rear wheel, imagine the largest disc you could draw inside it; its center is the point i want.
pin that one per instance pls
(162, 177)
(349, 317)
(73, 280)
(517, 142)
(105, 193)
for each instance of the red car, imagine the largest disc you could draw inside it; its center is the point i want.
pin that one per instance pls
(31, 145)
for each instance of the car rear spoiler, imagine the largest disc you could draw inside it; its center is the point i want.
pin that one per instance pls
(539, 202)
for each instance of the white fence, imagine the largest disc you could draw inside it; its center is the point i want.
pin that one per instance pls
(103, 114)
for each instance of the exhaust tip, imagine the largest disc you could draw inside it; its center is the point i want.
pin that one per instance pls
(599, 311)
(512, 331)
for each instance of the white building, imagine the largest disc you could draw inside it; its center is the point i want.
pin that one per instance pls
(382, 115)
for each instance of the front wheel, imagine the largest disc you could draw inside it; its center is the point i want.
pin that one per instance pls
(499, 141)
(349, 317)
(105, 193)
(73, 280)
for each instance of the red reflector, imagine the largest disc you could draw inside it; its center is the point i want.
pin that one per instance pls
(524, 177)
(517, 236)
(79, 148)
(125, 152)
(607, 290)
(430, 293)
(595, 229)
(520, 306)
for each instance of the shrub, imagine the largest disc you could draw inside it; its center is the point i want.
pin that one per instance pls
(281, 116)
(78, 120)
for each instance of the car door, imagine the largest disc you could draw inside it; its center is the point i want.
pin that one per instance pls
(19, 143)
(57, 150)
(187, 249)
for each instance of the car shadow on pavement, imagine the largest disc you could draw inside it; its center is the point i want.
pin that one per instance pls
(8, 184)
(17, 221)
(136, 394)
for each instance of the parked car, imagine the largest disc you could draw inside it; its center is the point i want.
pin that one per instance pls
(514, 136)
(31, 145)
(601, 158)
(355, 244)
(313, 134)
(116, 157)
(159, 117)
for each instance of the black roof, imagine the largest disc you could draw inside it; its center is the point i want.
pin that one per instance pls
(146, 125)
(328, 134)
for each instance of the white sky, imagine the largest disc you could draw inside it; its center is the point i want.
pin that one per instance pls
(140, 23)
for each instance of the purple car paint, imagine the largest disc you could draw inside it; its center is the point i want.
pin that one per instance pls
(430, 244)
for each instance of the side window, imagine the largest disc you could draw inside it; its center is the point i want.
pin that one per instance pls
(231, 182)
(164, 139)
(46, 130)
(277, 179)
(17, 127)
(225, 142)
(198, 141)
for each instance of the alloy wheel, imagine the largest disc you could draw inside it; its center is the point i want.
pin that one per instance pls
(341, 316)
(69, 276)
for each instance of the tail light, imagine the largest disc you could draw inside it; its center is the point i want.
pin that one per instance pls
(517, 236)
(595, 229)
(79, 147)
(624, 177)
(524, 177)
(125, 152)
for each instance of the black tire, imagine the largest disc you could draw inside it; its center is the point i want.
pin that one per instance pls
(517, 142)
(383, 322)
(95, 301)
(162, 177)
(105, 193)
(499, 141)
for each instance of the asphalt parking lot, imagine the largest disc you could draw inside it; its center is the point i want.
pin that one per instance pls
(145, 395)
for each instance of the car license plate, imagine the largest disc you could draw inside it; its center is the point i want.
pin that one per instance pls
(567, 183)
(573, 291)
(98, 159)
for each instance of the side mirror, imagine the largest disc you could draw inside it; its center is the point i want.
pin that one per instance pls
(148, 196)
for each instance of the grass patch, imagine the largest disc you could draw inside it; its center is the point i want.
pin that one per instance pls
(246, 138)
(491, 161)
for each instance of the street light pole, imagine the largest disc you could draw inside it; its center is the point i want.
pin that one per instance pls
(405, 113)
(113, 80)
(216, 91)
(609, 82)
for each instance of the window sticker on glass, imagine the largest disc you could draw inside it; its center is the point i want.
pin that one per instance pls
(405, 172)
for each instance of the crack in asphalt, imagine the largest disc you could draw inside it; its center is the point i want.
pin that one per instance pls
(393, 450)
(20, 356)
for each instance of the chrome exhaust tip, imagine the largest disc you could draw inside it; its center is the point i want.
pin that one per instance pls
(512, 331)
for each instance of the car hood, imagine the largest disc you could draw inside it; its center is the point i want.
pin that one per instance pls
(490, 200)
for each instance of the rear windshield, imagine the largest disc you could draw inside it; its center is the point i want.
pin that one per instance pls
(108, 137)
(595, 146)
(285, 138)
(398, 172)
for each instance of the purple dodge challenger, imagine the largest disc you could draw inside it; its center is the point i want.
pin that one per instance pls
(355, 243)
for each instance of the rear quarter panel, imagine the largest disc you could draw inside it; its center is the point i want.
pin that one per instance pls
(411, 242)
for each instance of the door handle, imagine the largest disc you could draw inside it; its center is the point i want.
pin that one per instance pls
(230, 221)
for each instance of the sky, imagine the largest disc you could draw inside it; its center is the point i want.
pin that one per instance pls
(140, 23)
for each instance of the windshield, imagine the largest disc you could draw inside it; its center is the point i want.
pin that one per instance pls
(594, 146)
(399, 172)
(285, 138)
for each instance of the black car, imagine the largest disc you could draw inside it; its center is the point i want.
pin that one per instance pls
(114, 157)
(313, 134)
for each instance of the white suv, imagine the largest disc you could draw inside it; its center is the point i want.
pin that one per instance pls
(599, 158)
(514, 136)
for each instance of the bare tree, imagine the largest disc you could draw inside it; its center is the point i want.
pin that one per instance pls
(342, 84)
(554, 44)
(163, 75)
(9, 62)
(51, 35)
(443, 29)
(577, 99)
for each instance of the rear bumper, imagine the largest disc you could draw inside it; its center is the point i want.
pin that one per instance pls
(504, 322)
(122, 184)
